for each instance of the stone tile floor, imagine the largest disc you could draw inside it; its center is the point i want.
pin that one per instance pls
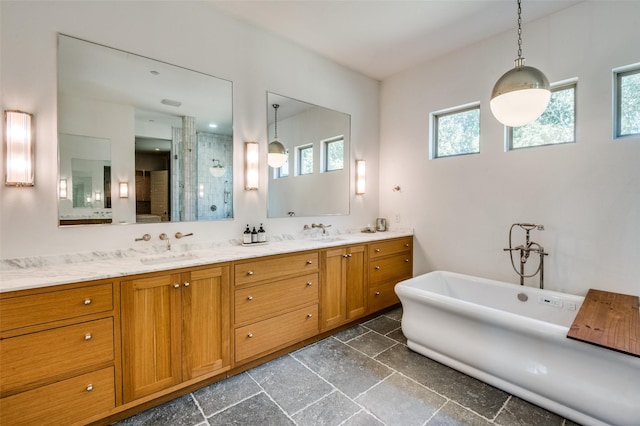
(364, 375)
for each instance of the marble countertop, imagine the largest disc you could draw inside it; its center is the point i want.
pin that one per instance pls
(37, 272)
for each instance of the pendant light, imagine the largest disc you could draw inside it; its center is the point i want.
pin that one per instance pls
(277, 153)
(522, 94)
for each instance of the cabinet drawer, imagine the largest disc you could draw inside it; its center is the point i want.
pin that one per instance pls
(22, 311)
(261, 301)
(382, 296)
(396, 268)
(62, 402)
(37, 356)
(252, 272)
(265, 336)
(386, 248)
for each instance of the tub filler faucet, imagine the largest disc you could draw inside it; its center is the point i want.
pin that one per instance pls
(525, 251)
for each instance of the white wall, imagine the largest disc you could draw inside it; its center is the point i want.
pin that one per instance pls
(191, 34)
(586, 194)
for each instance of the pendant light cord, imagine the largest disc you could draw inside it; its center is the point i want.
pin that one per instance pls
(519, 30)
(276, 106)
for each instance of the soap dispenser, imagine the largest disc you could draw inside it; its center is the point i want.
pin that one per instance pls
(254, 235)
(246, 237)
(262, 236)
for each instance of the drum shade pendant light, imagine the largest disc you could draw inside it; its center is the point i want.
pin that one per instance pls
(522, 94)
(277, 153)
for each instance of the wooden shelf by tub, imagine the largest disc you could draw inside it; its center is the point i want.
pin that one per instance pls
(610, 320)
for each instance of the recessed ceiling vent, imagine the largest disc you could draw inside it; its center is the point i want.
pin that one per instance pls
(171, 102)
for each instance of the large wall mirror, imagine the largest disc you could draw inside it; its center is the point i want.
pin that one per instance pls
(165, 130)
(315, 179)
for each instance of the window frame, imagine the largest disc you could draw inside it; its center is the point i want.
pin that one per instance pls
(433, 121)
(299, 150)
(277, 172)
(618, 74)
(325, 153)
(555, 87)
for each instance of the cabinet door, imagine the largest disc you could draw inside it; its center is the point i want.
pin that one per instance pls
(151, 338)
(206, 317)
(356, 284)
(333, 292)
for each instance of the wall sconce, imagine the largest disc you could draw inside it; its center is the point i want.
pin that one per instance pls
(360, 176)
(63, 188)
(124, 189)
(18, 148)
(251, 166)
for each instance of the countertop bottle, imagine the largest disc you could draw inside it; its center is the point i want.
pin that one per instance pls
(246, 237)
(262, 236)
(254, 235)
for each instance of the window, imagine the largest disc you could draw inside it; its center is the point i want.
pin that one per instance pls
(556, 125)
(627, 102)
(282, 171)
(333, 154)
(305, 160)
(455, 131)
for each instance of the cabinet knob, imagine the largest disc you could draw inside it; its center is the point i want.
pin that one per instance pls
(89, 387)
(309, 315)
(406, 260)
(377, 268)
(406, 245)
(87, 336)
(309, 262)
(377, 293)
(345, 255)
(349, 255)
(186, 283)
(377, 250)
(309, 283)
(250, 273)
(87, 301)
(176, 286)
(250, 335)
(250, 298)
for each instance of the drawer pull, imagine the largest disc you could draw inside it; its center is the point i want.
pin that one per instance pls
(87, 336)
(349, 255)
(406, 260)
(176, 286)
(186, 283)
(377, 268)
(250, 335)
(309, 315)
(377, 250)
(406, 245)
(249, 272)
(89, 388)
(250, 298)
(309, 262)
(309, 283)
(345, 255)
(377, 293)
(87, 301)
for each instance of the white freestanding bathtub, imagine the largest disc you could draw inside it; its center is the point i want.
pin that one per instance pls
(482, 328)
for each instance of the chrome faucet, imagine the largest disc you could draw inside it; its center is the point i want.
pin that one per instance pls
(164, 237)
(525, 250)
(321, 226)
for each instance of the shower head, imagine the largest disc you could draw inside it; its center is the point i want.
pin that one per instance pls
(530, 226)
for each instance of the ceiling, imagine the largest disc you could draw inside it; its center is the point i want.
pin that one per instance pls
(379, 38)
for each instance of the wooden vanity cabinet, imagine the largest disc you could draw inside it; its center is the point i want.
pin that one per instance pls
(390, 261)
(175, 327)
(343, 289)
(58, 352)
(276, 303)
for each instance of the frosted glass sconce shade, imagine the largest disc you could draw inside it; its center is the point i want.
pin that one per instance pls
(18, 148)
(251, 166)
(124, 189)
(63, 188)
(360, 176)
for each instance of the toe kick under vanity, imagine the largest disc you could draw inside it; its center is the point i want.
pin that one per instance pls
(125, 336)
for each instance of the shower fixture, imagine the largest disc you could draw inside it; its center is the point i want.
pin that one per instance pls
(525, 251)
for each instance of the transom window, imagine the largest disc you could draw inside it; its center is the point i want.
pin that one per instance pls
(556, 125)
(305, 159)
(627, 102)
(455, 131)
(333, 154)
(283, 171)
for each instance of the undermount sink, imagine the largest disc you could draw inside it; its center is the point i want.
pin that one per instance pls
(167, 258)
(328, 239)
